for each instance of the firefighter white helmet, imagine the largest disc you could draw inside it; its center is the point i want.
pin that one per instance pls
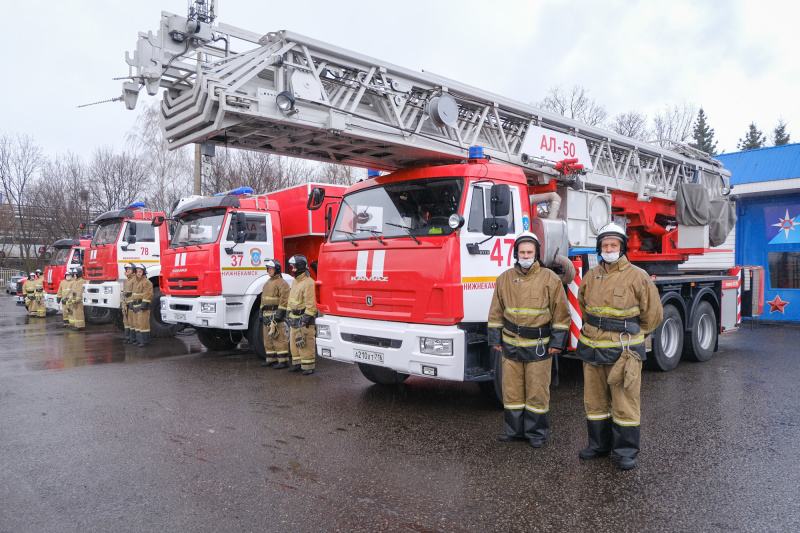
(612, 230)
(526, 236)
(143, 268)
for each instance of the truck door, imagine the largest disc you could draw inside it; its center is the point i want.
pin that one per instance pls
(241, 263)
(484, 257)
(143, 249)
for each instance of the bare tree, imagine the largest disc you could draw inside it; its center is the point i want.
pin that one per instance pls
(170, 172)
(631, 124)
(117, 179)
(20, 161)
(63, 194)
(338, 174)
(673, 125)
(575, 103)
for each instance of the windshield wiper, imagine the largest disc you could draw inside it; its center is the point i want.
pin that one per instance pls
(377, 235)
(408, 230)
(349, 238)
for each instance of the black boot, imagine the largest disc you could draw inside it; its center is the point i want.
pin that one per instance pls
(125, 336)
(599, 439)
(294, 368)
(514, 425)
(281, 365)
(268, 363)
(626, 445)
(144, 339)
(308, 372)
(537, 427)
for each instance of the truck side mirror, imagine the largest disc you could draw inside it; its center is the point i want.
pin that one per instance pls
(315, 198)
(495, 227)
(158, 220)
(132, 229)
(500, 200)
(240, 227)
(132, 239)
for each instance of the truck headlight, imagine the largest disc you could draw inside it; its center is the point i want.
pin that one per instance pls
(108, 290)
(208, 308)
(323, 332)
(436, 346)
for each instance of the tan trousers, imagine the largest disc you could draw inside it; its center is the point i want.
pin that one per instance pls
(78, 319)
(306, 356)
(277, 349)
(603, 401)
(527, 385)
(142, 321)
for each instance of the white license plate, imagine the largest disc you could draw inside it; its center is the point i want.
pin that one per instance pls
(368, 357)
(180, 316)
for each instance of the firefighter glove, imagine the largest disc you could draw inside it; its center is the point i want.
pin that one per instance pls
(145, 306)
(130, 305)
(305, 320)
(280, 314)
(58, 299)
(128, 294)
(300, 341)
(272, 333)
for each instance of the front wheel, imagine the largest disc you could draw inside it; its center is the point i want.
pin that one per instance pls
(159, 328)
(219, 340)
(700, 344)
(255, 335)
(381, 375)
(97, 315)
(667, 341)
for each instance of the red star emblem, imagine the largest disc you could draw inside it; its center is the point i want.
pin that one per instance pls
(777, 305)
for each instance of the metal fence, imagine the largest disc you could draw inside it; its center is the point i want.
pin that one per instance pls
(6, 274)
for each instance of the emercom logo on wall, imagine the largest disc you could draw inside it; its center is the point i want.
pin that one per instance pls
(783, 238)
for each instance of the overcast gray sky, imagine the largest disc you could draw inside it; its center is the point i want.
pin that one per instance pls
(735, 58)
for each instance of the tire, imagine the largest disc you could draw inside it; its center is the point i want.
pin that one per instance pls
(218, 340)
(667, 341)
(159, 328)
(116, 319)
(97, 315)
(381, 375)
(255, 336)
(493, 389)
(699, 345)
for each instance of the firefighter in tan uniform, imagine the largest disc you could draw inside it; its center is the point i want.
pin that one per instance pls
(619, 304)
(127, 314)
(77, 321)
(528, 323)
(29, 290)
(302, 312)
(61, 296)
(141, 297)
(274, 304)
(40, 310)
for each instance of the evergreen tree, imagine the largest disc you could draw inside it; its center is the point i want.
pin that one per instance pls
(753, 140)
(780, 135)
(703, 135)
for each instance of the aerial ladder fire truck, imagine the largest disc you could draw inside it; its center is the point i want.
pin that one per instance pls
(407, 271)
(123, 236)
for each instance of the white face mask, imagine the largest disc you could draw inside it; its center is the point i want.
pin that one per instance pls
(526, 263)
(610, 258)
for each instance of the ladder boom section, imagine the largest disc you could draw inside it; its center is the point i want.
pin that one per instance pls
(347, 108)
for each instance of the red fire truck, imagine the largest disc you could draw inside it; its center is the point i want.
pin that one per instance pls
(67, 253)
(408, 270)
(126, 235)
(214, 271)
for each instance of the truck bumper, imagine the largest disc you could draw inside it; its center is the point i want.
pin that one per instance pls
(51, 303)
(103, 294)
(221, 312)
(394, 345)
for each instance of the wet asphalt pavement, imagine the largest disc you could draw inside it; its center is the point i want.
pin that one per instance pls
(99, 436)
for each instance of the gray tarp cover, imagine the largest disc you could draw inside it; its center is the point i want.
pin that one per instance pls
(693, 208)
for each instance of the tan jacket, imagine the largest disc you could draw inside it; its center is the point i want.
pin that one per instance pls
(127, 286)
(63, 288)
(142, 292)
(275, 296)
(533, 299)
(302, 299)
(625, 291)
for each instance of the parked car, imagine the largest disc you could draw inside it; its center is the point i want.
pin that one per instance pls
(11, 286)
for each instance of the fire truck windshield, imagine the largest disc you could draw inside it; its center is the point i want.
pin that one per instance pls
(107, 232)
(62, 254)
(198, 228)
(417, 208)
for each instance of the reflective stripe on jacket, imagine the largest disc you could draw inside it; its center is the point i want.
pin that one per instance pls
(301, 297)
(625, 291)
(275, 293)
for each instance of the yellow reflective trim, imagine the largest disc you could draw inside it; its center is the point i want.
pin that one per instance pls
(526, 311)
(612, 310)
(626, 422)
(638, 339)
(513, 406)
(495, 324)
(526, 343)
(603, 416)
(560, 326)
(535, 409)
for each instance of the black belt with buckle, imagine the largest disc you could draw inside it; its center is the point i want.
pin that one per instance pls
(625, 325)
(527, 333)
